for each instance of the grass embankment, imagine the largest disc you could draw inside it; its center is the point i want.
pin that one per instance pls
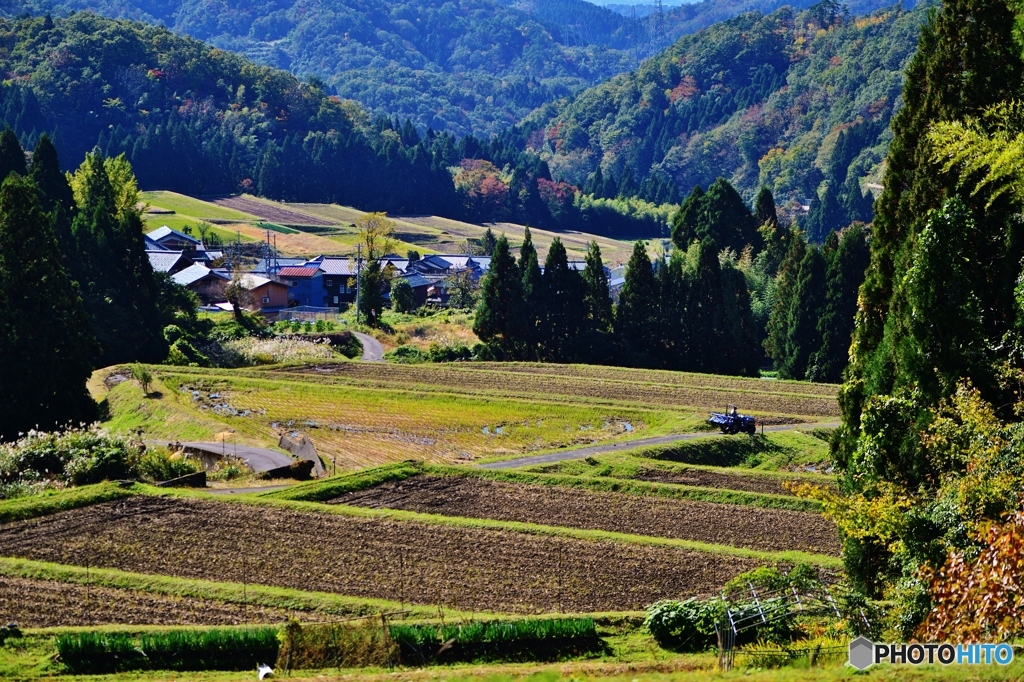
(189, 212)
(327, 489)
(772, 452)
(51, 502)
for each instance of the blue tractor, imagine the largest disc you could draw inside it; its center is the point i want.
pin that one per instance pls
(732, 421)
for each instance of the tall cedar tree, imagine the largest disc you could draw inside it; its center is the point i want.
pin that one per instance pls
(671, 306)
(499, 320)
(740, 354)
(774, 236)
(786, 283)
(944, 340)
(635, 317)
(844, 274)
(685, 220)
(12, 156)
(597, 301)
(967, 60)
(45, 339)
(119, 288)
(533, 298)
(57, 199)
(564, 310)
(718, 214)
(802, 336)
(825, 217)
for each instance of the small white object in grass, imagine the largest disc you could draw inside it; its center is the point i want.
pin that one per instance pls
(264, 671)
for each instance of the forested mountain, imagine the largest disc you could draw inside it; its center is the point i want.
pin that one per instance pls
(461, 66)
(797, 101)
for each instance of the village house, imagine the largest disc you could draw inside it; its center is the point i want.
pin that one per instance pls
(305, 285)
(209, 285)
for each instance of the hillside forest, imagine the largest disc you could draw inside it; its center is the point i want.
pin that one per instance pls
(462, 66)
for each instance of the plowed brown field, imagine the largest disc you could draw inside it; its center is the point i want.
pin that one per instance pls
(740, 526)
(466, 568)
(267, 211)
(46, 603)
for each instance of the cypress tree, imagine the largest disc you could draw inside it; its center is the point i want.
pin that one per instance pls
(844, 274)
(785, 292)
(55, 192)
(488, 242)
(45, 338)
(803, 338)
(12, 156)
(726, 219)
(686, 219)
(704, 315)
(967, 60)
(499, 320)
(597, 302)
(671, 310)
(739, 353)
(825, 216)
(533, 297)
(564, 310)
(635, 317)
(774, 236)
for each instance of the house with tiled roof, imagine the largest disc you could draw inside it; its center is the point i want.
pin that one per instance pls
(209, 285)
(305, 285)
(165, 260)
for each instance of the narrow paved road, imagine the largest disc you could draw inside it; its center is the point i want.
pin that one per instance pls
(580, 453)
(372, 350)
(258, 459)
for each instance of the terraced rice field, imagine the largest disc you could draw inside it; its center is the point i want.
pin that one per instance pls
(48, 603)
(463, 567)
(648, 388)
(739, 526)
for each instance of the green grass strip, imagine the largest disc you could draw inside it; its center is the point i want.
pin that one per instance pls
(336, 486)
(22, 508)
(232, 593)
(786, 557)
(630, 487)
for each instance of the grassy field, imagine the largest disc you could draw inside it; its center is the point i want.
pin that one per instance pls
(365, 414)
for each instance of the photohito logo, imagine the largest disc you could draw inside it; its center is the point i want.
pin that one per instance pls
(864, 653)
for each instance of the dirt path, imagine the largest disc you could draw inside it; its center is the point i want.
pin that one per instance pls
(770, 530)
(591, 450)
(372, 350)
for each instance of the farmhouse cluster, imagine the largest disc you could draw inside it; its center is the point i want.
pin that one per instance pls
(278, 283)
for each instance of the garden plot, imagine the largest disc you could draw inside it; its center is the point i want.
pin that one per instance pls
(461, 567)
(750, 527)
(48, 603)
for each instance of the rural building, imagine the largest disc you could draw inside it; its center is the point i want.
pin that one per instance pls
(339, 281)
(268, 296)
(420, 286)
(305, 285)
(165, 260)
(173, 240)
(443, 266)
(209, 285)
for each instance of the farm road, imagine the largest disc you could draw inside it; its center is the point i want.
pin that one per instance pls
(580, 453)
(372, 350)
(258, 459)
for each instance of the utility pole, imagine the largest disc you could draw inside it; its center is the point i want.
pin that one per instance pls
(359, 273)
(660, 28)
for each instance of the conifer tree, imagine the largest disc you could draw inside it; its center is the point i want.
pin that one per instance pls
(774, 236)
(825, 216)
(786, 284)
(488, 242)
(726, 219)
(739, 353)
(635, 317)
(967, 60)
(12, 156)
(686, 219)
(533, 297)
(45, 338)
(597, 302)
(670, 343)
(500, 319)
(564, 310)
(844, 273)
(55, 192)
(802, 337)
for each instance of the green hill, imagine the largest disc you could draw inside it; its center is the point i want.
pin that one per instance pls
(756, 99)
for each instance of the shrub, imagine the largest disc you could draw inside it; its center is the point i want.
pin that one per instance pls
(184, 354)
(684, 625)
(142, 374)
(160, 465)
(255, 351)
(445, 353)
(408, 355)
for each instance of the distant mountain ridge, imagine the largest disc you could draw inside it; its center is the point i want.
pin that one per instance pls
(460, 66)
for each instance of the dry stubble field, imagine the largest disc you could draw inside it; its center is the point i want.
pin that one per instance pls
(770, 530)
(464, 568)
